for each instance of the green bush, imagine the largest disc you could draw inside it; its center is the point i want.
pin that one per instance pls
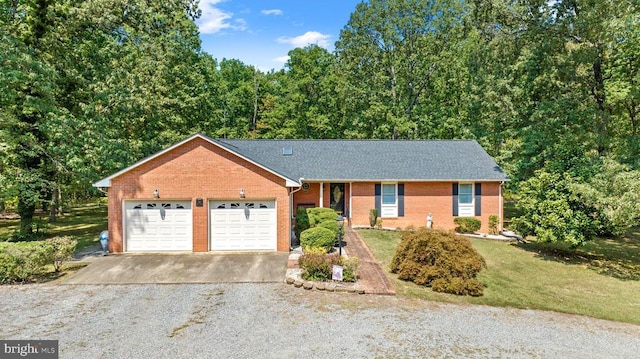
(315, 267)
(441, 260)
(493, 224)
(330, 225)
(553, 209)
(318, 267)
(373, 217)
(467, 224)
(22, 260)
(317, 237)
(319, 214)
(302, 222)
(63, 249)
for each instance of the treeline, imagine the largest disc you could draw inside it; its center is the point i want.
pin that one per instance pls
(549, 88)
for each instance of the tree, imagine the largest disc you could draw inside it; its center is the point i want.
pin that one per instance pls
(90, 87)
(615, 192)
(554, 212)
(392, 54)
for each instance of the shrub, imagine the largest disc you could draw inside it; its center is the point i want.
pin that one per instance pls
(317, 237)
(379, 223)
(493, 224)
(440, 260)
(63, 249)
(318, 267)
(21, 261)
(319, 214)
(467, 224)
(350, 268)
(302, 222)
(330, 225)
(373, 217)
(315, 267)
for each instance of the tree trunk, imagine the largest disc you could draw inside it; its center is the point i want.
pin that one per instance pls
(53, 209)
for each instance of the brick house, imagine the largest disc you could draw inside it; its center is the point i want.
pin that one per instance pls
(205, 194)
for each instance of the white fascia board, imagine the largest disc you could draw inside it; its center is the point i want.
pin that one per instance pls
(403, 180)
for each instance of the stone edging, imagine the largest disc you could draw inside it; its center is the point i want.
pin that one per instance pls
(293, 277)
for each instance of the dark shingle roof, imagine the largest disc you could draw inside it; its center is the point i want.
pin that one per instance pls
(375, 160)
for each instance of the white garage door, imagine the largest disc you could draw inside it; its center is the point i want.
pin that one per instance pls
(157, 225)
(243, 225)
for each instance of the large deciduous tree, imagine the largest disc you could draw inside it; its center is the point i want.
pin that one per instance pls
(397, 56)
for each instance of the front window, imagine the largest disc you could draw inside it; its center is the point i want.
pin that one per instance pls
(389, 200)
(465, 200)
(465, 193)
(389, 193)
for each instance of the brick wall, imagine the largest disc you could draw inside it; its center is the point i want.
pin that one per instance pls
(422, 198)
(197, 169)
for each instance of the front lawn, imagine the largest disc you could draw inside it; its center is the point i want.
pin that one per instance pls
(83, 222)
(600, 280)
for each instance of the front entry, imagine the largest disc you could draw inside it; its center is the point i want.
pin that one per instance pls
(336, 197)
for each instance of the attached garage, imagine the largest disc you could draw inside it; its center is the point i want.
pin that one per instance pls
(247, 225)
(158, 225)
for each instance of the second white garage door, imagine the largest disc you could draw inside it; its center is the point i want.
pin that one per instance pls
(243, 225)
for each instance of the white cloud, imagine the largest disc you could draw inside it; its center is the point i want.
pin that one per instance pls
(275, 12)
(214, 20)
(281, 59)
(308, 38)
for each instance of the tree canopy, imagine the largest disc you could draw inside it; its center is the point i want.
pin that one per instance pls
(549, 88)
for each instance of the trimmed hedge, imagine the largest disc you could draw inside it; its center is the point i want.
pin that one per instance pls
(441, 260)
(318, 215)
(467, 224)
(317, 237)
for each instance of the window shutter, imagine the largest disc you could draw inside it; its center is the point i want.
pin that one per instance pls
(378, 198)
(400, 199)
(455, 198)
(478, 199)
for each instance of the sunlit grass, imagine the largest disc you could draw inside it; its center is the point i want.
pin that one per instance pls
(598, 280)
(82, 222)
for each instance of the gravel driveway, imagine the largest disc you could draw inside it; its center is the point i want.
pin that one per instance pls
(279, 321)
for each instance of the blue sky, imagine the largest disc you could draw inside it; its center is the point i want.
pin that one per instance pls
(261, 33)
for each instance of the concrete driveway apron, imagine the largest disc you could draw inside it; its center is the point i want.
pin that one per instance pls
(182, 268)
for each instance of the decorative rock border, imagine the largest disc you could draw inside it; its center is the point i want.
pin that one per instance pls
(293, 277)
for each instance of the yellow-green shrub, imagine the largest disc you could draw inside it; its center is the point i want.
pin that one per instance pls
(20, 261)
(317, 237)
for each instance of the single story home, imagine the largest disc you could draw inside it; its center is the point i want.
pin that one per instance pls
(204, 194)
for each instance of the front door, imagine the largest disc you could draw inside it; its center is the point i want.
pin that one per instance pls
(337, 197)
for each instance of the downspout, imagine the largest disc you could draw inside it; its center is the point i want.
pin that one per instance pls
(500, 205)
(291, 216)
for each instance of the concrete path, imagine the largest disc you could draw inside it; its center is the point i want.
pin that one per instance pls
(371, 277)
(183, 268)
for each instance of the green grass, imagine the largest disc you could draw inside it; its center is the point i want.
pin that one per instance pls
(82, 222)
(600, 280)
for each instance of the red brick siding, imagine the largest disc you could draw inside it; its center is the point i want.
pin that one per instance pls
(420, 199)
(197, 169)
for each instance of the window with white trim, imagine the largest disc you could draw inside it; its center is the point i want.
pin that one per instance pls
(465, 200)
(389, 203)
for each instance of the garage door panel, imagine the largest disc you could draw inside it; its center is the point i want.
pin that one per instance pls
(158, 225)
(243, 225)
